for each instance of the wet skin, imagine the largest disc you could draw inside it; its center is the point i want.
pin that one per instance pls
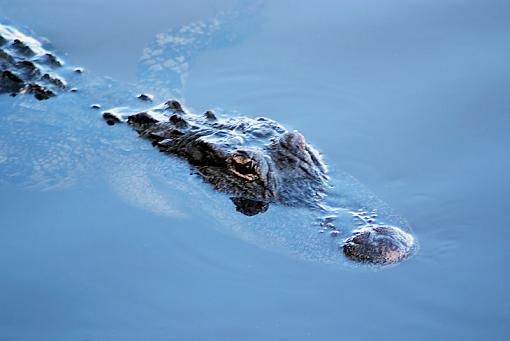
(378, 244)
(27, 67)
(256, 161)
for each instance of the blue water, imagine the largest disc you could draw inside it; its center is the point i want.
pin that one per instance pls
(103, 238)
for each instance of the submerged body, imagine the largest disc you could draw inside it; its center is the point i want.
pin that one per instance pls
(256, 161)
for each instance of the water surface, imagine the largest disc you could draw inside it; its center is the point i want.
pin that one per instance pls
(408, 97)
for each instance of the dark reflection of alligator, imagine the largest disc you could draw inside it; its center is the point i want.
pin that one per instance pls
(257, 161)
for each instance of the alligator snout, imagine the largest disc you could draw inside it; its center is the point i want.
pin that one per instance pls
(378, 244)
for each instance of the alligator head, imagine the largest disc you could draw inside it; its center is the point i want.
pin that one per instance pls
(256, 161)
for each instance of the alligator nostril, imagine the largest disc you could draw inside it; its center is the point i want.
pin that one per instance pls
(358, 239)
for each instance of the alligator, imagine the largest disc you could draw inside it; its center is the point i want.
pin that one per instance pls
(256, 161)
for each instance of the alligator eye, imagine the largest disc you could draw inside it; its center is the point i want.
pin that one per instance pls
(244, 167)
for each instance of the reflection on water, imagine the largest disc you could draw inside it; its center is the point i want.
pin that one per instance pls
(104, 238)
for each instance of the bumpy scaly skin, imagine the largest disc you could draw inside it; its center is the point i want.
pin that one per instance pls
(378, 244)
(26, 67)
(257, 161)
